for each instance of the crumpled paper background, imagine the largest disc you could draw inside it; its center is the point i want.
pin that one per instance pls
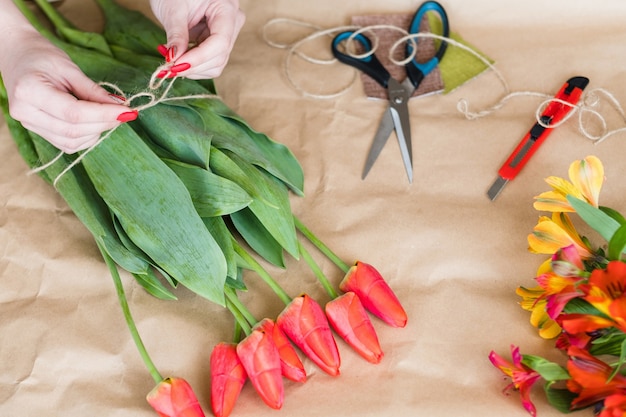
(453, 257)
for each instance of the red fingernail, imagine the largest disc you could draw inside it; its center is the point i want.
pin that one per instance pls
(180, 67)
(162, 49)
(170, 54)
(117, 98)
(128, 116)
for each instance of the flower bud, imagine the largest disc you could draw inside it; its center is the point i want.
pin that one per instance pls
(377, 297)
(228, 377)
(350, 320)
(304, 322)
(173, 397)
(260, 358)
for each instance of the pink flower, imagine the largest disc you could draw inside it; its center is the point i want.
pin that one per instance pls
(304, 322)
(523, 378)
(290, 364)
(377, 297)
(350, 320)
(228, 377)
(173, 397)
(259, 356)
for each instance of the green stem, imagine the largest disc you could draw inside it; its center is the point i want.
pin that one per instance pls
(262, 273)
(321, 246)
(55, 17)
(239, 318)
(128, 317)
(231, 294)
(34, 20)
(317, 271)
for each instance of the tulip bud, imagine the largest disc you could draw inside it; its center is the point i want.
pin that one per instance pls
(377, 297)
(173, 397)
(290, 364)
(350, 320)
(260, 358)
(304, 322)
(228, 377)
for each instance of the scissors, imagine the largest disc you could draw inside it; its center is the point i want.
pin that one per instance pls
(397, 115)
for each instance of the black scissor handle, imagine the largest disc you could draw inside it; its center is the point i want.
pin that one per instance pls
(418, 70)
(369, 64)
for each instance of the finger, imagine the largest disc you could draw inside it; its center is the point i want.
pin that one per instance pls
(174, 19)
(209, 58)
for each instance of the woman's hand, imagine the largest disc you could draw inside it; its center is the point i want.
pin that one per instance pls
(48, 93)
(213, 25)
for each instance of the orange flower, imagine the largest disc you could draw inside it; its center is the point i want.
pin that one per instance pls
(228, 377)
(375, 294)
(290, 364)
(350, 320)
(173, 397)
(591, 378)
(259, 357)
(304, 322)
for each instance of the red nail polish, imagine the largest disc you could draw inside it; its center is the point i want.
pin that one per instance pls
(170, 54)
(128, 116)
(117, 98)
(180, 67)
(162, 49)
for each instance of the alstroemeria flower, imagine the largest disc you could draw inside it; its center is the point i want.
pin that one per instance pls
(552, 234)
(533, 300)
(606, 291)
(261, 360)
(586, 178)
(350, 320)
(173, 397)
(228, 377)
(304, 322)
(375, 294)
(614, 406)
(522, 376)
(591, 378)
(290, 363)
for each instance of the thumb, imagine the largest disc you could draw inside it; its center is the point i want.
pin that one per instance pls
(173, 17)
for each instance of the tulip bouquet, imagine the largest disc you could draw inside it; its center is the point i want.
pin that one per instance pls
(190, 194)
(579, 300)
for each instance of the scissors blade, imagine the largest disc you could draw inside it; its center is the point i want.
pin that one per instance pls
(382, 134)
(399, 108)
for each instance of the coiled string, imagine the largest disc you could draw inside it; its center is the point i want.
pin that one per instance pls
(586, 110)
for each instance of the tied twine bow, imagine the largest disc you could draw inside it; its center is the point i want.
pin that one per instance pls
(154, 85)
(586, 109)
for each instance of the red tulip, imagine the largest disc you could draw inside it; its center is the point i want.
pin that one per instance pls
(173, 397)
(228, 377)
(305, 323)
(290, 364)
(260, 358)
(350, 320)
(377, 297)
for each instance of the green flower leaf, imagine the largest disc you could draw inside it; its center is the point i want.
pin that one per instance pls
(548, 370)
(597, 219)
(559, 398)
(617, 244)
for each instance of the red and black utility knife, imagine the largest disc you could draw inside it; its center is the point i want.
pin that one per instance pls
(554, 112)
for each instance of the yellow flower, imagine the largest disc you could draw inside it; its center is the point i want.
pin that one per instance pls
(586, 178)
(552, 234)
(533, 300)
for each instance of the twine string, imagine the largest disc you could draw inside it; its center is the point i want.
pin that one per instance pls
(155, 83)
(586, 110)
